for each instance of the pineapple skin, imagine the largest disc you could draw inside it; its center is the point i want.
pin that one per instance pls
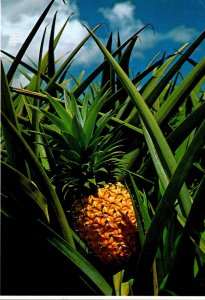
(106, 222)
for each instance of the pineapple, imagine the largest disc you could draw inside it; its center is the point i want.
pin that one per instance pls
(106, 221)
(88, 164)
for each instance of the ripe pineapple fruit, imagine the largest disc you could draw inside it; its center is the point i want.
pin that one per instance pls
(87, 156)
(106, 221)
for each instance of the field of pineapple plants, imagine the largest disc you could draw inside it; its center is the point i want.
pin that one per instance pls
(103, 177)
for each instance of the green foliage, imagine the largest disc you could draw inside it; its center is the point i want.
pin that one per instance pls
(86, 155)
(58, 139)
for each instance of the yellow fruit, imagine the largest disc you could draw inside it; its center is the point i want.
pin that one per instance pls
(106, 222)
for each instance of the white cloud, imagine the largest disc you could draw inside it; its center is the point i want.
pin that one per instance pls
(181, 34)
(122, 17)
(15, 13)
(18, 21)
(121, 12)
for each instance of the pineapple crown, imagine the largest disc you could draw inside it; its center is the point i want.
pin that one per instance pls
(86, 150)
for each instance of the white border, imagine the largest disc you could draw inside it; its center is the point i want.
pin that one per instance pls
(102, 297)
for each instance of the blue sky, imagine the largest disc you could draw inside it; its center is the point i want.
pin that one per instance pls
(175, 22)
(163, 14)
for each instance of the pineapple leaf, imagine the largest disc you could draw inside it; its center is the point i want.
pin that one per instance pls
(77, 130)
(72, 142)
(85, 106)
(79, 261)
(23, 189)
(7, 107)
(153, 83)
(160, 87)
(143, 209)
(67, 62)
(51, 58)
(90, 121)
(117, 281)
(99, 69)
(125, 59)
(7, 104)
(63, 126)
(180, 93)
(73, 155)
(106, 70)
(61, 111)
(166, 204)
(72, 108)
(27, 42)
(40, 176)
(126, 287)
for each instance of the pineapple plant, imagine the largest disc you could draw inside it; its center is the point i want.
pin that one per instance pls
(87, 174)
(68, 167)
